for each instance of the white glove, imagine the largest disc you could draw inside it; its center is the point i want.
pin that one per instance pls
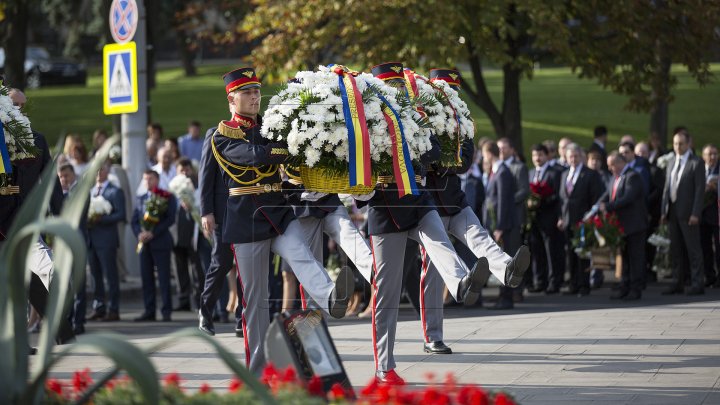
(363, 197)
(311, 195)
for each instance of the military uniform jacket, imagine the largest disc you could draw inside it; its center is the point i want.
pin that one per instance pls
(445, 186)
(317, 209)
(388, 213)
(213, 191)
(251, 217)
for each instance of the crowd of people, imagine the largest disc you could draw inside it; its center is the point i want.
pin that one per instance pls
(469, 223)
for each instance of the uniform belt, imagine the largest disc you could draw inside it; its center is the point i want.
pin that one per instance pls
(391, 179)
(256, 189)
(9, 190)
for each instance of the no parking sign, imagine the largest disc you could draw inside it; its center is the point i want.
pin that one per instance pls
(123, 20)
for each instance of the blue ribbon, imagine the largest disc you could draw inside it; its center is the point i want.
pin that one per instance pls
(4, 155)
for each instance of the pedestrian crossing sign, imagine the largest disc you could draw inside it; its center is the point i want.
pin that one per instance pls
(120, 92)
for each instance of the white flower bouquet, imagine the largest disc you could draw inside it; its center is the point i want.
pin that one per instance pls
(447, 113)
(99, 206)
(308, 115)
(19, 139)
(184, 190)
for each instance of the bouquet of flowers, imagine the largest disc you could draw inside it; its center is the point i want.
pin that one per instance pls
(309, 115)
(99, 206)
(446, 112)
(538, 192)
(18, 142)
(660, 238)
(183, 189)
(599, 231)
(155, 206)
(663, 160)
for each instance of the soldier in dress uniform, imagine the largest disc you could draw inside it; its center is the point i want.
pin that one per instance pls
(258, 218)
(391, 221)
(459, 220)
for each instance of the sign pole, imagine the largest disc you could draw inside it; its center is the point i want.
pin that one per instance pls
(133, 127)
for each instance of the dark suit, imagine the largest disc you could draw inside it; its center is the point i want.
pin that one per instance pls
(103, 242)
(585, 192)
(213, 200)
(546, 240)
(522, 189)
(685, 248)
(709, 230)
(654, 202)
(626, 199)
(501, 214)
(156, 254)
(187, 255)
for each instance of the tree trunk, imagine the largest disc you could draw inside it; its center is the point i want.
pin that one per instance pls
(661, 97)
(187, 56)
(511, 114)
(17, 16)
(480, 95)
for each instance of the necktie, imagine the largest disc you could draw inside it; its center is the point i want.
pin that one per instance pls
(537, 176)
(675, 180)
(97, 192)
(569, 182)
(614, 190)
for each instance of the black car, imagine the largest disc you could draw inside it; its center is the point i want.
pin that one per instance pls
(43, 70)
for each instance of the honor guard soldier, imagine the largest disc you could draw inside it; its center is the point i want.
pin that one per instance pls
(460, 221)
(391, 221)
(258, 218)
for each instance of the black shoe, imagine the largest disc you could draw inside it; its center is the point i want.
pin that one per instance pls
(111, 317)
(515, 270)
(536, 289)
(571, 291)
(633, 295)
(710, 283)
(340, 296)
(238, 332)
(79, 329)
(145, 316)
(502, 304)
(552, 290)
(694, 291)
(206, 324)
(619, 294)
(96, 316)
(167, 318)
(437, 348)
(183, 307)
(471, 285)
(672, 290)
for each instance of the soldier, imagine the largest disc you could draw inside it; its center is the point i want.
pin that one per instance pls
(259, 220)
(460, 221)
(391, 221)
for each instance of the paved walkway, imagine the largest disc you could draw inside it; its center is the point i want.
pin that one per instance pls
(661, 350)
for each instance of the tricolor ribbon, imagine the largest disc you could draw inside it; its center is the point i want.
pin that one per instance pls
(402, 165)
(358, 135)
(411, 89)
(5, 164)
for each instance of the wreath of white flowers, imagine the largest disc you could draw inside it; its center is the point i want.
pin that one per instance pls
(16, 126)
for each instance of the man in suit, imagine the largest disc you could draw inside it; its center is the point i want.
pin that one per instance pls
(500, 212)
(636, 163)
(157, 246)
(546, 240)
(682, 209)
(580, 188)
(103, 242)
(600, 135)
(519, 170)
(709, 224)
(654, 202)
(625, 197)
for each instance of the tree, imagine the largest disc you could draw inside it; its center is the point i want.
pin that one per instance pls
(629, 47)
(13, 32)
(513, 35)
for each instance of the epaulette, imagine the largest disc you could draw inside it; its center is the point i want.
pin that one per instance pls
(231, 129)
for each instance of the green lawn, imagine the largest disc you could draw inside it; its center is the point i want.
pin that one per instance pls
(554, 103)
